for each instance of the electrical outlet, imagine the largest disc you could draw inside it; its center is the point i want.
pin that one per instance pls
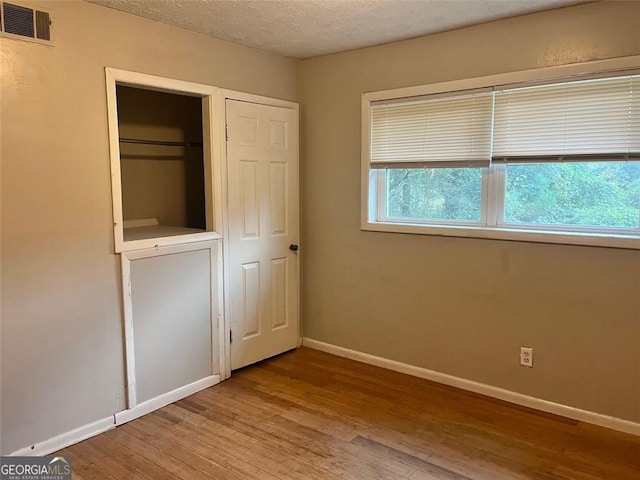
(526, 356)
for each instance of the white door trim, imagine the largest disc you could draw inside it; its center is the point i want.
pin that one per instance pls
(227, 94)
(221, 97)
(218, 323)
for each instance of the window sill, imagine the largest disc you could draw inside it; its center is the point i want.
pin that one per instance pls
(631, 242)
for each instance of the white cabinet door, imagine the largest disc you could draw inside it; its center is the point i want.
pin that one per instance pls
(262, 162)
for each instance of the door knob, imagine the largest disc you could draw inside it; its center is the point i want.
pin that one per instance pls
(293, 247)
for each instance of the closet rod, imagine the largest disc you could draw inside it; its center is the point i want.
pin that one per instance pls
(160, 142)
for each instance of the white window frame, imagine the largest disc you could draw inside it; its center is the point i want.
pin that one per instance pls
(492, 224)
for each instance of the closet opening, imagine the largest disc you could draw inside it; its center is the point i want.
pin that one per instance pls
(161, 163)
(162, 174)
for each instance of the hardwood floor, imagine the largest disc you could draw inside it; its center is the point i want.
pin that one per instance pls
(311, 415)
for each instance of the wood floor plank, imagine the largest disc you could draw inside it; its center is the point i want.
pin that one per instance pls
(369, 422)
(108, 462)
(84, 467)
(308, 415)
(426, 468)
(188, 455)
(200, 445)
(110, 442)
(323, 452)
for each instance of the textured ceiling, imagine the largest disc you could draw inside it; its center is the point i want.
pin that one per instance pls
(308, 28)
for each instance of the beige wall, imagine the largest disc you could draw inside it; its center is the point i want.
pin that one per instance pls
(465, 306)
(62, 355)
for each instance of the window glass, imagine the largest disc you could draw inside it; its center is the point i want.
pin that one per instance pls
(589, 194)
(434, 194)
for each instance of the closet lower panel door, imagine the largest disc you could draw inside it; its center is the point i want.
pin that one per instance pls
(171, 324)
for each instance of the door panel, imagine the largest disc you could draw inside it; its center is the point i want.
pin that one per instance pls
(250, 198)
(279, 282)
(250, 315)
(278, 206)
(262, 155)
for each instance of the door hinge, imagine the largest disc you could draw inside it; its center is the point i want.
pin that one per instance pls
(226, 132)
(230, 336)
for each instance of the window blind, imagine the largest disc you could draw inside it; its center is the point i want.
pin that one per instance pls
(433, 132)
(580, 120)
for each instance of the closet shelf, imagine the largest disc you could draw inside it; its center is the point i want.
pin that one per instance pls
(161, 143)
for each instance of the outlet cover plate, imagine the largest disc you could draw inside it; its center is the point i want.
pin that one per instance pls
(526, 357)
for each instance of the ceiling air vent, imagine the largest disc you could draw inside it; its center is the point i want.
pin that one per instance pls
(25, 22)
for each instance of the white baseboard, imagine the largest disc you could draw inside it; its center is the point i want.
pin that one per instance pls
(68, 438)
(481, 388)
(165, 399)
(95, 428)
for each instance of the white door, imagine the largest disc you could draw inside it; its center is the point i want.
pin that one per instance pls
(262, 156)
